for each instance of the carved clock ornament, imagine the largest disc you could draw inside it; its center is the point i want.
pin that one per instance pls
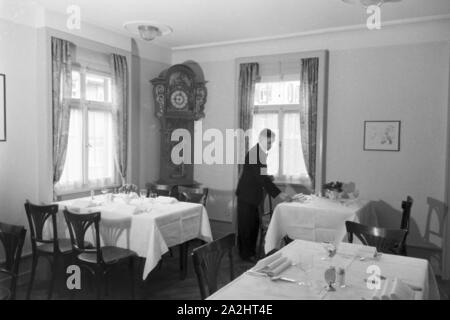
(180, 96)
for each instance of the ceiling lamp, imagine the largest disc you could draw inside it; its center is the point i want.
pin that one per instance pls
(147, 30)
(367, 3)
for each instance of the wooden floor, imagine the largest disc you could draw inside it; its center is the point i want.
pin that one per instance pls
(163, 283)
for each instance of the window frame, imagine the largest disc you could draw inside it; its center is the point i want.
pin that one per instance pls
(85, 106)
(280, 110)
(322, 105)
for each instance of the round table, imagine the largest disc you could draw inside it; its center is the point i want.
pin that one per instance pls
(4, 293)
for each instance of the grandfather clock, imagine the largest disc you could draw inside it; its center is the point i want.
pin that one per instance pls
(180, 96)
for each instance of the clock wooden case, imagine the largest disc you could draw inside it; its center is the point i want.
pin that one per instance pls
(180, 96)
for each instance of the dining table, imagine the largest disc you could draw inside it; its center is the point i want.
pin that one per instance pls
(317, 219)
(305, 276)
(148, 226)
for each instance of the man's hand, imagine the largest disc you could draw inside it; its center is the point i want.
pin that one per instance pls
(284, 196)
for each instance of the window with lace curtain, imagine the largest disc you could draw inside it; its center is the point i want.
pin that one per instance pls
(276, 106)
(90, 158)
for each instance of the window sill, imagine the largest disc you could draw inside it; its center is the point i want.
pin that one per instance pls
(73, 192)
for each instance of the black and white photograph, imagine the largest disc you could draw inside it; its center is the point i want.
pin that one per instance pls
(224, 153)
(2, 107)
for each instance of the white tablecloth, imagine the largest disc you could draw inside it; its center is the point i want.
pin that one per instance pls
(149, 233)
(412, 271)
(320, 220)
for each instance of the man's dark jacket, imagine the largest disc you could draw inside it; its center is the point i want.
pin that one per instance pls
(254, 179)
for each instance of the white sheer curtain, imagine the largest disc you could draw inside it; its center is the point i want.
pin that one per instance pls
(293, 162)
(260, 122)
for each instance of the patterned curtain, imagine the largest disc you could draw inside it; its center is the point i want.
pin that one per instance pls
(120, 112)
(248, 76)
(62, 53)
(308, 113)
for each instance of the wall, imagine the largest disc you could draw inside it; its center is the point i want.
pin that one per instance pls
(400, 72)
(18, 155)
(147, 124)
(407, 83)
(25, 158)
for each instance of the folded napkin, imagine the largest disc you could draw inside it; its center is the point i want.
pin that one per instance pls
(119, 209)
(300, 197)
(165, 200)
(394, 290)
(82, 204)
(367, 252)
(273, 265)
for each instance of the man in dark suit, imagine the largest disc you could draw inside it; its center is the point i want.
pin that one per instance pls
(250, 194)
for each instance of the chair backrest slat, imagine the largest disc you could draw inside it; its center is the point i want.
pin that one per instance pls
(207, 260)
(194, 195)
(385, 240)
(159, 189)
(112, 229)
(406, 207)
(12, 238)
(37, 216)
(78, 224)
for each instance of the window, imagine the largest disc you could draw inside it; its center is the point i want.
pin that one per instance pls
(90, 155)
(277, 108)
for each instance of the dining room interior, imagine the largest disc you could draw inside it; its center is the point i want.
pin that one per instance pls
(224, 150)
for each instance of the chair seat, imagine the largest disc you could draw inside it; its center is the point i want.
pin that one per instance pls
(4, 293)
(110, 255)
(65, 246)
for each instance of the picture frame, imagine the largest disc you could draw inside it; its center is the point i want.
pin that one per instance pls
(382, 135)
(2, 107)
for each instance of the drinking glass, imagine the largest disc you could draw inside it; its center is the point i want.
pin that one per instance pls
(143, 193)
(307, 265)
(331, 250)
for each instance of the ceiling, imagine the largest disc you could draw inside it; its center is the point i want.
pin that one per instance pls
(199, 22)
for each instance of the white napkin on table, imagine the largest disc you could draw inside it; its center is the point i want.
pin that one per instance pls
(273, 265)
(394, 290)
(165, 200)
(82, 204)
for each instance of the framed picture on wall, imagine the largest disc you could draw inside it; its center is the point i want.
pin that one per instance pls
(382, 135)
(2, 107)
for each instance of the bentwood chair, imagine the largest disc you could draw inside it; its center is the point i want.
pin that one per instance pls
(265, 215)
(406, 207)
(12, 237)
(385, 240)
(194, 195)
(98, 261)
(207, 261)
(160, 189)
(54, 249)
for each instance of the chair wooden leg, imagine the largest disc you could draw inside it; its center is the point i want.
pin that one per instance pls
(99, 281)
(33, 273)
(54, 269)
(131, 271)
(260, 243)
(184, 259)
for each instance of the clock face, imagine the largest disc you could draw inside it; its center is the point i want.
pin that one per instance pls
(179, 99)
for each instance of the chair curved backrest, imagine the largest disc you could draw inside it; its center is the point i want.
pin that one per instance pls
(159, 189)
(37, 216)
(207, 260)
(194, 195)
(12, 238)
(385, 240)
(406, 207)
(78, 224)
(112, 229)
